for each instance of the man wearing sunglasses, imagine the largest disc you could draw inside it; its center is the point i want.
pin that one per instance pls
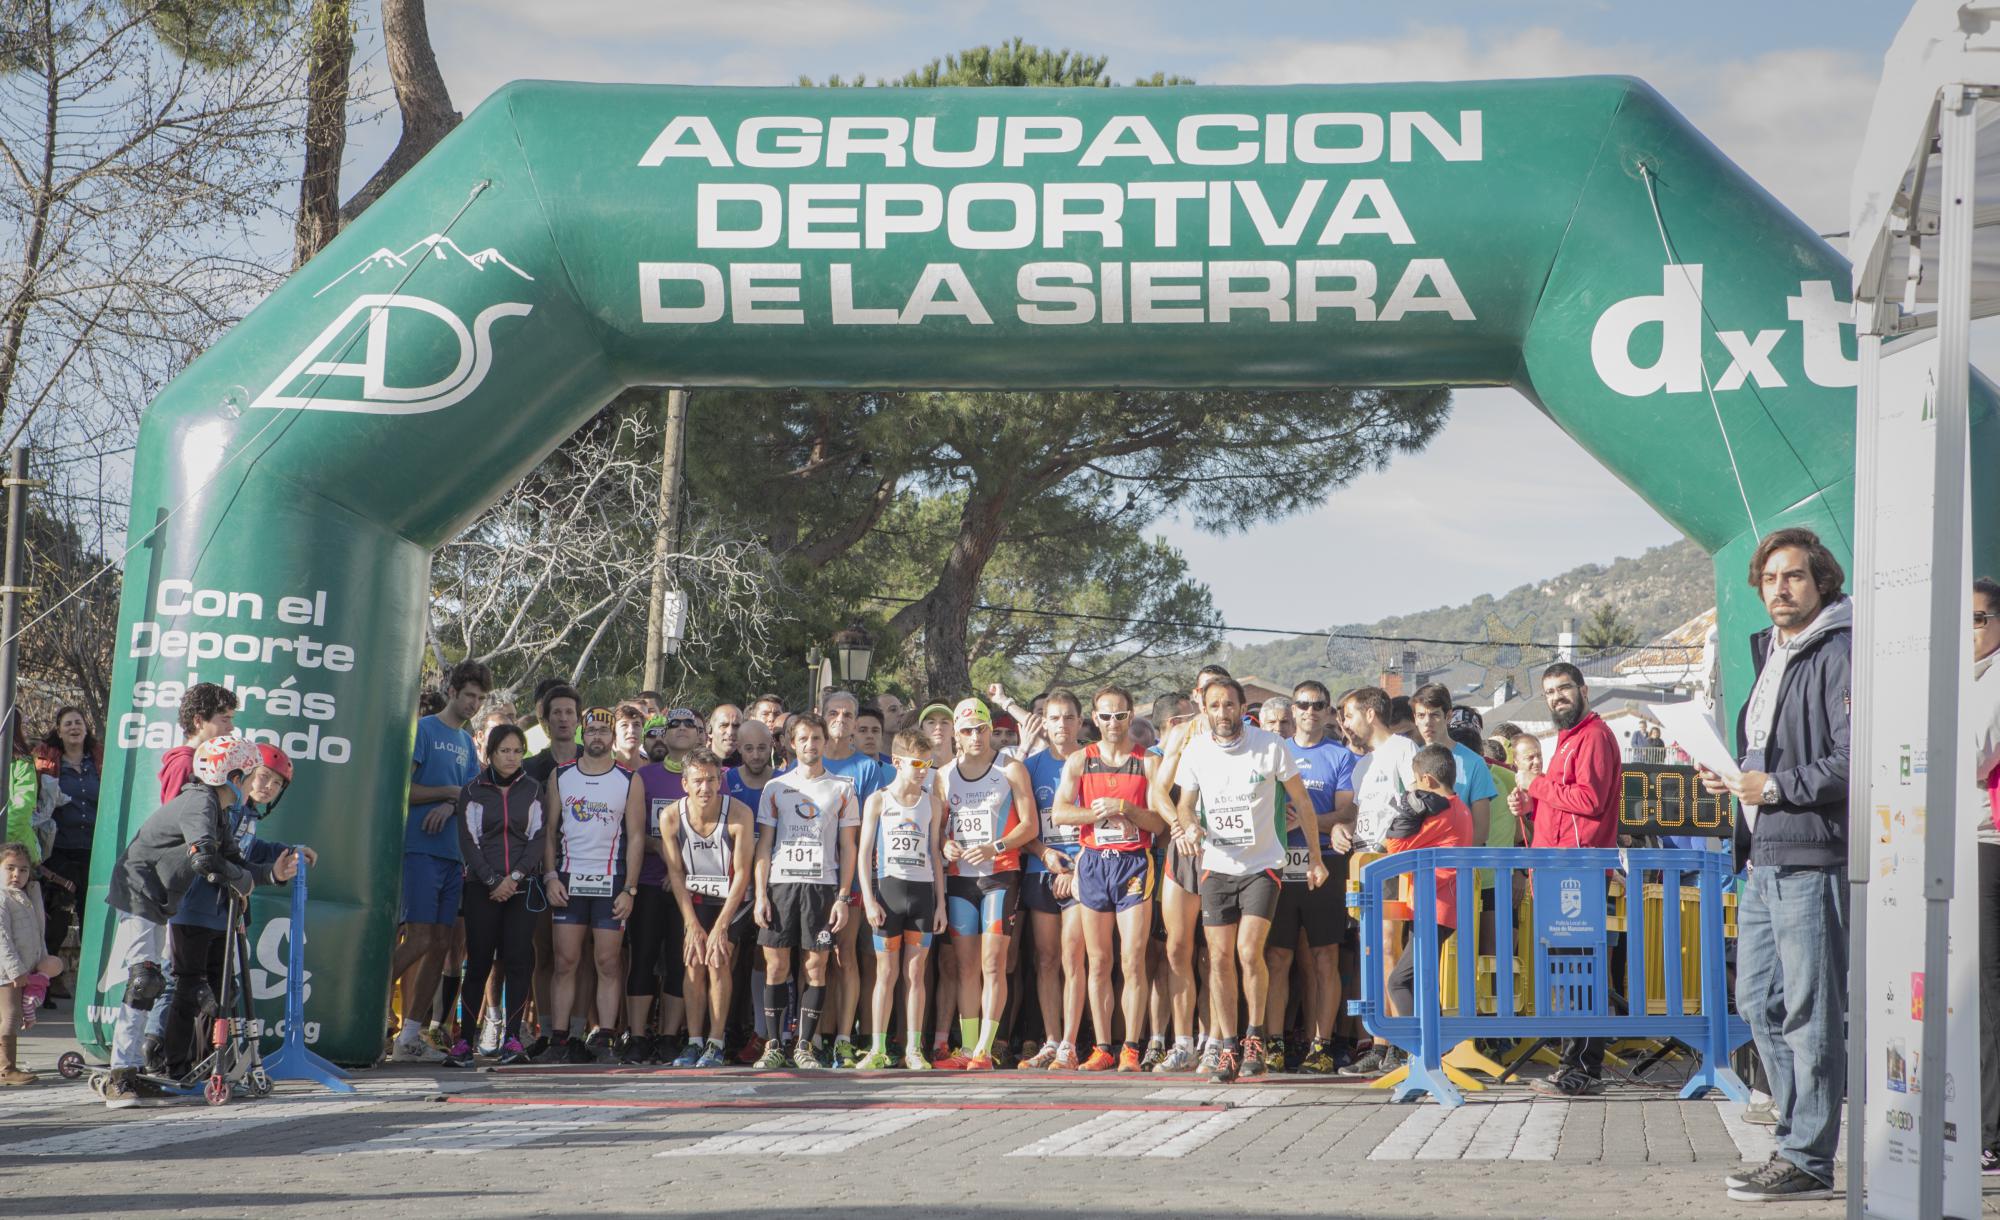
(1048, 890)
(1104, 792)
(1314, 919)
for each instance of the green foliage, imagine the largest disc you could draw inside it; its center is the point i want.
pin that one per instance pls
(1606, 630)
(215, 33)
(1010, 64)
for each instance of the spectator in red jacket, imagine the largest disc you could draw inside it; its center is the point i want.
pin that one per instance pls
(1574, 803)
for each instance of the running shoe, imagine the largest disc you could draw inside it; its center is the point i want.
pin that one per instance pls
(662, 1050)
(1569, 1082)
(1043, 1059)
(576, 1050)
(1128, 1059)
(1178, 1059)
(914, 1060)
(537, 1048)
(1225, 1068)
(600, 1047)
(690, 1055)
(978, 1063)
(1274, 1055)
(1155, 1052)
(513, 1053)
(752, 1051)
(1369, 1065)
(439, 1040)
(1206, 1064)
(1100, 1060)
(460, 1055)
(1065, 1060)
(415, 1050)
(774, 1057)
(1003, 1056)
(954, 1062)
(492, 1031)
(712, 1057)
(877, 1061)
(1254, 1062)
(806, 1057)
(1318, 1061)
(637, 1048)
(845, 1057)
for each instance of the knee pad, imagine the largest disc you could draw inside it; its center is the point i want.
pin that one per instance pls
(143, 986)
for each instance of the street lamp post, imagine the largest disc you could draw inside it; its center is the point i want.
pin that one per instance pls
(854, 652)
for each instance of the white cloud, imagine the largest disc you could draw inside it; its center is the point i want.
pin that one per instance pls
(1792, 118)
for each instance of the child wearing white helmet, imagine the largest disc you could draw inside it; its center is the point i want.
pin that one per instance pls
(185, 839)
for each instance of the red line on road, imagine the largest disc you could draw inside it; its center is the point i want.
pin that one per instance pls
(738, 1103)
(998, 1079)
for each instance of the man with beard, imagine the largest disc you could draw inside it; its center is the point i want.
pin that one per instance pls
(1574, 803)
(1230, 781)
(1791, 950)
(655, 924)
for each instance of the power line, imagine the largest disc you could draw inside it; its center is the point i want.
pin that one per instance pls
(1324, 635)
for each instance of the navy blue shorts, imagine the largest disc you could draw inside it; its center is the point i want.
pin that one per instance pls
(1114, 880)
(594, 911)
(432, 887)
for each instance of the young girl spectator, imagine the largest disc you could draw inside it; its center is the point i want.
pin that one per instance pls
(24, 966)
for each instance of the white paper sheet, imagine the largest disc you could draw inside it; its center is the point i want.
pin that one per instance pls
(1688, 726)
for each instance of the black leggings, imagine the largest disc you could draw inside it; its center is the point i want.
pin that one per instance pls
(195, 955)
(62, 907)
(508, 929)
(1403, 978)
(653, 944)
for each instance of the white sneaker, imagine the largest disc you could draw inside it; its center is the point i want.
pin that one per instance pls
(414, 1050)
(491, 1031)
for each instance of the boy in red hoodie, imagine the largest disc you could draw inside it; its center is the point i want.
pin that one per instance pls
(208, 711)
(1428, 815)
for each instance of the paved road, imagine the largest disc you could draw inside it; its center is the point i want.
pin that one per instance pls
(610, 1141)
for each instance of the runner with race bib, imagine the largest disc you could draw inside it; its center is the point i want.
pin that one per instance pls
(709, 840)
(1048, 890)
(1104, 792)
(902, 878)
(592, 862)
(1230, 780)
(807, 820)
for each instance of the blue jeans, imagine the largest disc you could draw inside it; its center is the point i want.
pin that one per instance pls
(1791, 986)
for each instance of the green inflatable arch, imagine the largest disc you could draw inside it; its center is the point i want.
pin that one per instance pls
(1575, 239)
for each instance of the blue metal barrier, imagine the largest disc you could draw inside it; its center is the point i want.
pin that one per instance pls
(294, 1060)
(1572, 975)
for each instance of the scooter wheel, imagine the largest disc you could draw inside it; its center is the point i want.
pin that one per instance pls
(260, 1084)
(69, 1065)
(216, 1091)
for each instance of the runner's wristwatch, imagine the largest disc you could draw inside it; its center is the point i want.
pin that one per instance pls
(631, 891)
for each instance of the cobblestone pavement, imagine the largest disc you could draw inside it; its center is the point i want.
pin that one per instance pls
(612, 1141)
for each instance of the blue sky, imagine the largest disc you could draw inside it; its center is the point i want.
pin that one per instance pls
(1783, 86)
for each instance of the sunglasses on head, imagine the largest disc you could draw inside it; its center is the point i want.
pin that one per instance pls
(1113, 717)
(1311, 705)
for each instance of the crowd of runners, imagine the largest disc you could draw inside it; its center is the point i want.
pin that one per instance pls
(1075, 883)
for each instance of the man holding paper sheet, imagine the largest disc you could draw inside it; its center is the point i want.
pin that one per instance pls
(1791, 972)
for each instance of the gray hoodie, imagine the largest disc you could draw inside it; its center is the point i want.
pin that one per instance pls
(155, 870)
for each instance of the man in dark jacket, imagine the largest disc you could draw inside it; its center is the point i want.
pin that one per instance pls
(186, 838)
(1791, 964)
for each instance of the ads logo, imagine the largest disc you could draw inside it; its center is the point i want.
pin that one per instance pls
(414, 355)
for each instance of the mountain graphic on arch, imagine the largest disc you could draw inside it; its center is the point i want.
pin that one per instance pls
(436, 246)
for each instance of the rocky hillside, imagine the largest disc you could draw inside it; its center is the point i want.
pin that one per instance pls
(1655, 593)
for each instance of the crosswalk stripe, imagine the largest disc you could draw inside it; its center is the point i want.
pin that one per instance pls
(176, 1126)
(1147, 1133)
(808, 1133)
(1230, 1095)
(461, 1138)
(1541, 1132)
(1500, 1132)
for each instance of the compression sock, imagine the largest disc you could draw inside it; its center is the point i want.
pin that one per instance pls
(988, 1030)
(764, 1025)
(968, 1033)
(774, 1012)
(811, 1001)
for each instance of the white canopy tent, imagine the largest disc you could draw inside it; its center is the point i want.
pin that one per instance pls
(1924, 238)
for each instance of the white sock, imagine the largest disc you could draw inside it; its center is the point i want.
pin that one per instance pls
(495, 1013)
(411, 1031)
(1185, 1042)
(1066, 1047)
(715, 1042)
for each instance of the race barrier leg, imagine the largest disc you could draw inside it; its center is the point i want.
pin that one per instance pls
(294, 1060)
